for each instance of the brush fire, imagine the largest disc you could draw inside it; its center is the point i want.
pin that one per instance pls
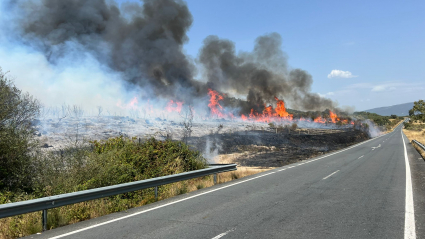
(269, 138)
(224, 102)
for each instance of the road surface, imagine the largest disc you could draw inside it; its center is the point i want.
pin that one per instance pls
(364, 191)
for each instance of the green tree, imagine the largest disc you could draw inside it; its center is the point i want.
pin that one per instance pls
(418, 111)
(17, 111)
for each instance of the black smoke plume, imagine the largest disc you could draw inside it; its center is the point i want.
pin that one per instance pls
(145, 42)
(260, 75)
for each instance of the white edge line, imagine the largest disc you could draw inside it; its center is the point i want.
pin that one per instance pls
(200, 194)
(330, 174)
(223, 234)
(409, 216)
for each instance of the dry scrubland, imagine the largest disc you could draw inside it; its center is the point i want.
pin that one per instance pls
(394, 124)
(416, 132)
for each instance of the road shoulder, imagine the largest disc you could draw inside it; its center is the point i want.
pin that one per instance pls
(417, 168)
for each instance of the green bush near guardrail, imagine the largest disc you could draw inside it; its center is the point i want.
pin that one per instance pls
(113, 161)
(109, 162)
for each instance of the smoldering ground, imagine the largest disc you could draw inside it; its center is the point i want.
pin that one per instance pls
(143, 42)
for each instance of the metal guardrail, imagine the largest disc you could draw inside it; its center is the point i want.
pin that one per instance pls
(42, 204)
(419, 144)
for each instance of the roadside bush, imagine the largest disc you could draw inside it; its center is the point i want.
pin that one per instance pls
(114, 161)
(414, 127)
(17, 111)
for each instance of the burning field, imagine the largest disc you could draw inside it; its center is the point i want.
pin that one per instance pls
(129, 62)
(270, 138)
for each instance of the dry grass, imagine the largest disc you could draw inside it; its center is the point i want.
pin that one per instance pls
(30, 223)
(417, 135)
(392, 128)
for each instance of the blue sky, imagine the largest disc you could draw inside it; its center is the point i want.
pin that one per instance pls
(380, 43)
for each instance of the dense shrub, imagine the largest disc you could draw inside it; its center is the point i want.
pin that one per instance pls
(414, 127)
(17, 111)
(114, 161)
(377, 119)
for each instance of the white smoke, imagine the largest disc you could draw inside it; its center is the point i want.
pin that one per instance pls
(73, 80)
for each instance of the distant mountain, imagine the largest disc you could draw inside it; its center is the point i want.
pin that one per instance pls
(399, 110)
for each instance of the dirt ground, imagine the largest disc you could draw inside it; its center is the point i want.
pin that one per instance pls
(266, 149)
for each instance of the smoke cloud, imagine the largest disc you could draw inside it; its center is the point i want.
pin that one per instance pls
(143, 43)
(260, 75)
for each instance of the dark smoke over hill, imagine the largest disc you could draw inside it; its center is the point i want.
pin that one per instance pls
(261, 74)
(144, 42)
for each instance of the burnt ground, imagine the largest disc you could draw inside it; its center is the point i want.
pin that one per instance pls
(257, 148)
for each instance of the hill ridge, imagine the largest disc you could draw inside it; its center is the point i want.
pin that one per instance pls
(399, 110)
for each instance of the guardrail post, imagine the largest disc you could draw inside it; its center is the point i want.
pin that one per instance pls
(156, 193)
(215, 178)
(44, 220)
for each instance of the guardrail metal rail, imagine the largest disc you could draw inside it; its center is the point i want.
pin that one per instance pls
(419, 144)
(45, 203)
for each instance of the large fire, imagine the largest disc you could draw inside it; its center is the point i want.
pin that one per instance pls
(269, 114)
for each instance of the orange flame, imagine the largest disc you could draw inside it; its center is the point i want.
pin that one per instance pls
(131, 105)
(171, 108)
(214, 105)
(320, 120)
(333, 116)
(280, 108)
(269, 114)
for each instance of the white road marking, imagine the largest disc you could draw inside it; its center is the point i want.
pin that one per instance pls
(200, 194)
(361, 157)
(223, 234)
(331, 174)
(409, 216)
(373, 148)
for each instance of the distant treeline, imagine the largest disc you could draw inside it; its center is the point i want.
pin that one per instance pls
(377, 119)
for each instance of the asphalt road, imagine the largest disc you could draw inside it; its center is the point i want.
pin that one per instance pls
(358, 192)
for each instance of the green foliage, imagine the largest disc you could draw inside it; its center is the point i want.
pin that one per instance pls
(200, 186)
(414, 127)
(377, 119)
(418, 111)
(114, 161)
(17, 111)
